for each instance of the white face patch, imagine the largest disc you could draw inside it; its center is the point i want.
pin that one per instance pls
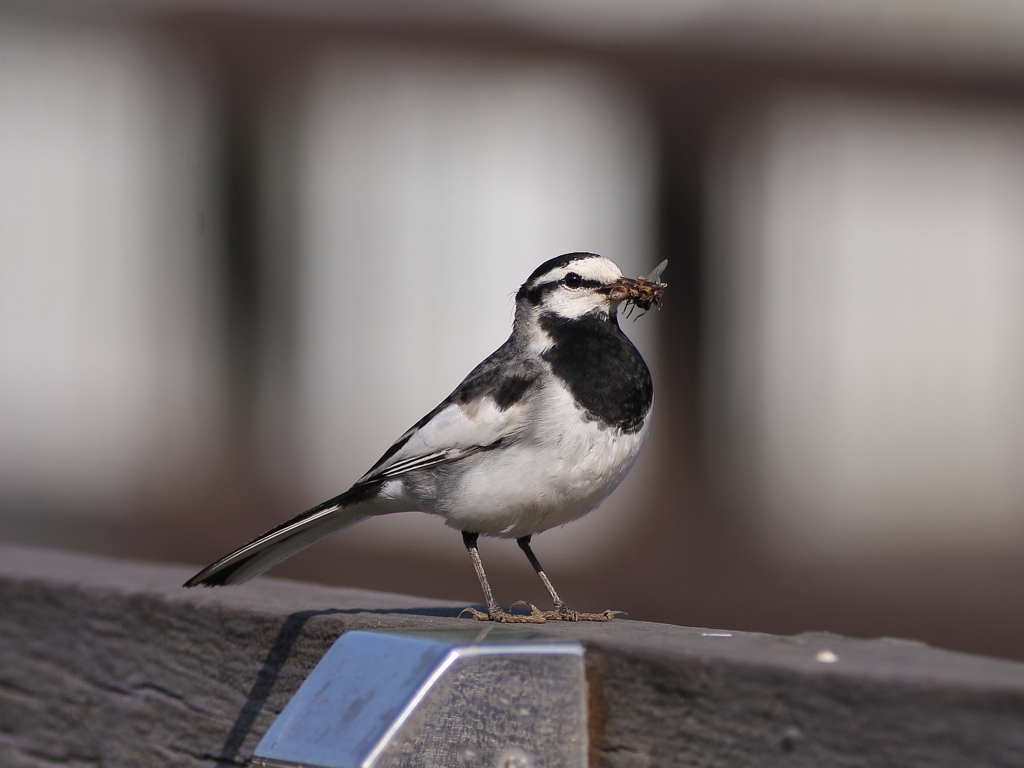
(590, 268)
(565, 301)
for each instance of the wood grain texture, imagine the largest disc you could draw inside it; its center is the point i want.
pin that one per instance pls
(114, 664)
(111, 663)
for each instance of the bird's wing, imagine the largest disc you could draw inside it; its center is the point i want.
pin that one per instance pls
(450, 432)
(489, 407)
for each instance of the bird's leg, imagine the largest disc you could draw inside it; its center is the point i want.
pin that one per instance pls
(561, 612)
(494, 611)
(470, 539)
(524, 544)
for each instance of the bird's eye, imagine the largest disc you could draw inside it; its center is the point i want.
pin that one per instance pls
(572, 280)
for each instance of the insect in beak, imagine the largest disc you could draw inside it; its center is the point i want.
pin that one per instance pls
(643, 292)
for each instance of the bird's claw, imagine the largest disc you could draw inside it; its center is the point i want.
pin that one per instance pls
(535, 612)
(562, 613)
(536, 616)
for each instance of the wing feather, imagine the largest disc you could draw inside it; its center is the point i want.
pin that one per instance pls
(455, 431)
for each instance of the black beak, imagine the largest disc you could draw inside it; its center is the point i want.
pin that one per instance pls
(621, 290)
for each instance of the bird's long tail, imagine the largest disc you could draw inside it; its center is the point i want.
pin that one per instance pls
(266, 551)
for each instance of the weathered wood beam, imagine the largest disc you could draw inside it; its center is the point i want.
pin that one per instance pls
(111, 663)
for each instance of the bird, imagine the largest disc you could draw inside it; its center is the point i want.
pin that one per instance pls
(536, 436)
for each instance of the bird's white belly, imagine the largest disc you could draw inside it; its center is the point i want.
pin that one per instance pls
(560, 472)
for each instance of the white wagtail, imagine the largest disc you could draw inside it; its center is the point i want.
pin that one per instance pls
(536, 436)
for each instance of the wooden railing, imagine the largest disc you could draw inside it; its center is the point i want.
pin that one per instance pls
(111, 663)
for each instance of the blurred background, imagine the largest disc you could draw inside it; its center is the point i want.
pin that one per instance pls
(243, 246)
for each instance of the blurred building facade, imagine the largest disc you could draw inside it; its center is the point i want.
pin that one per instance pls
(110, 348)
(242, 250)
(868, 337)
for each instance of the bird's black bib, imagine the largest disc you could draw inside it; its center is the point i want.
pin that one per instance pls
(603, 370)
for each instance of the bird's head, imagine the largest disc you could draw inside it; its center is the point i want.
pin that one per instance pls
(577, 285)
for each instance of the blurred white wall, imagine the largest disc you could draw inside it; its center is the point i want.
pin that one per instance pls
(867, 335)
(428, 188)
(108, 366)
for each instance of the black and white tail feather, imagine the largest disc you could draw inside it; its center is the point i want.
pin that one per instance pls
(278, 544)
(359, 502)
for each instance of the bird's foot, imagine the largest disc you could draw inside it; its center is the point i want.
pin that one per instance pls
(496, 614)
(562, 613)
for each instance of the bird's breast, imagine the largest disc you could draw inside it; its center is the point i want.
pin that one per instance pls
(562, 467)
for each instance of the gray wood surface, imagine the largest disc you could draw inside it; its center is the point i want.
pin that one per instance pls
(111, 663)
